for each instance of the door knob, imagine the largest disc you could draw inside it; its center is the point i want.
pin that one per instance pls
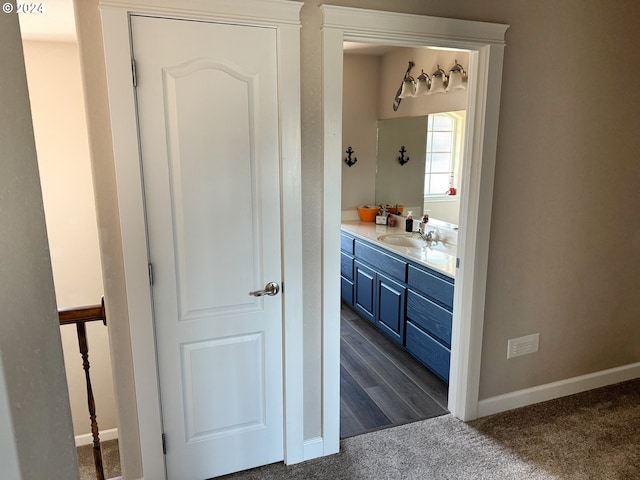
(271, 288)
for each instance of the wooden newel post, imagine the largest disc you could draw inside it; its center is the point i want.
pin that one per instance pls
(84, 351)
(80, 316)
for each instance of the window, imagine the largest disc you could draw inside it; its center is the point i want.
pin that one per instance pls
(444, 134)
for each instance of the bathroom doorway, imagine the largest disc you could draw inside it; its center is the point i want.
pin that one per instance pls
(382, 384)
(485, 44)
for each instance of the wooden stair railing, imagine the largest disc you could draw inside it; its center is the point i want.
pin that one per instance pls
(80, 316)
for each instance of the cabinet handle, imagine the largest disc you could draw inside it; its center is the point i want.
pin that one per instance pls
(271, 288)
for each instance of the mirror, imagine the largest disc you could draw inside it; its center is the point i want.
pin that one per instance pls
(372, 75)
(396, 183)
(433, 159)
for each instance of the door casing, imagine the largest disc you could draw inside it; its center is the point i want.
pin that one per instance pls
(485, 42)
(284, 17)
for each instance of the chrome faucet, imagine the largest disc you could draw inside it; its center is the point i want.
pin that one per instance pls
(427, 237)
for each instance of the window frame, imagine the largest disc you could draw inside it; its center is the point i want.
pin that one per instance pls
(459, 121)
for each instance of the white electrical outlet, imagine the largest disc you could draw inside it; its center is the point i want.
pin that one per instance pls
(523, 345)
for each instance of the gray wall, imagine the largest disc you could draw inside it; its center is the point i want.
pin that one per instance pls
(35, 419)
(361, 89)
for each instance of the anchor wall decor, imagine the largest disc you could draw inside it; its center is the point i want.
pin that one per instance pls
(402, 159)
(348, 160)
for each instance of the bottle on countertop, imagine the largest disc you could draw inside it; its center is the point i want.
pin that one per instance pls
(408, 224)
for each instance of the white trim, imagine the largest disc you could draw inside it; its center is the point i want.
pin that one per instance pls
(105, 435)
(284, 16)
(313, 448)
(332, 53)
(485, 43)
(249, 12)
(374, 26)
(440, 198)
(291, 214)
(117, 49)
(561, 388)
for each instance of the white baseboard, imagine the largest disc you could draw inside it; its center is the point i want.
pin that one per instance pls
(562, 388)
(87, 438)
(313, 448)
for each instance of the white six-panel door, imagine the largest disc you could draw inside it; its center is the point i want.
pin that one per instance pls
(208, 125)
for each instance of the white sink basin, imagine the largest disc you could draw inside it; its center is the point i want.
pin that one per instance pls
(402, 240)
(413, 243)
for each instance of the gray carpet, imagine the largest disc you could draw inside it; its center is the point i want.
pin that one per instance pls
(594, 435)
(110, 460)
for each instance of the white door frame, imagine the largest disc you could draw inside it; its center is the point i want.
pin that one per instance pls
(485, 41)
(284, 17)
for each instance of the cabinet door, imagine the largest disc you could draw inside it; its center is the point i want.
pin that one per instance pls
(364, 291)
(346, 289)
(391, 308)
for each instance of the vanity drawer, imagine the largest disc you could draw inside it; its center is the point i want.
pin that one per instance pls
(431, 353)
(429, 316)
(346, 265)
(346, 243)
(381, 261)
(434, 287)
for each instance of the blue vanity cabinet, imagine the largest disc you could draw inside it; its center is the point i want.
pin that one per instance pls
(429, 319)
(346, 268)
(407, 301)
(346, 277)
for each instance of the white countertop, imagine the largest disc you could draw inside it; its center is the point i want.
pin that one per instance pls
(441, 257)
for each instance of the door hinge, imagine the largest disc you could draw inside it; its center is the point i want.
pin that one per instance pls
(458, 262)
(164, 444)
(134, 74)
(150, 266)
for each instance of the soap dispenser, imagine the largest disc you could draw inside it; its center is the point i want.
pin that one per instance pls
(408, 224)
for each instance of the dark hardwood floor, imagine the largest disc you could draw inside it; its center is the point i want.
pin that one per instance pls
(381, 385)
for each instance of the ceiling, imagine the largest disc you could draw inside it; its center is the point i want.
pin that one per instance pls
(56, 23)
(367, 48)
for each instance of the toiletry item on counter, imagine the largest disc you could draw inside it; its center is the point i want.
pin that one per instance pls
(423, 223)
(451, 190)
(392, 221)
(383, 217)
(408, 224)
